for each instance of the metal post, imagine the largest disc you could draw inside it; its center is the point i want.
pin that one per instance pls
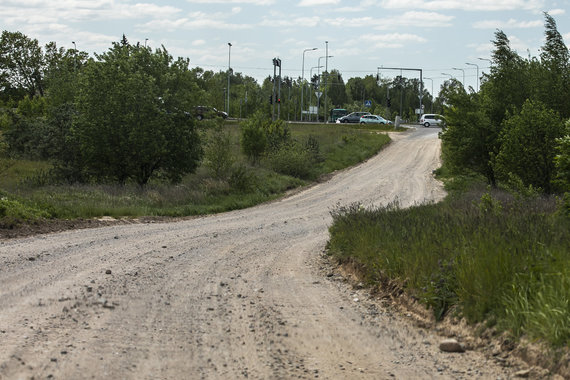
(325, 113)
(75, 56)
(476, 65)
(455, 68)
(279, 91)
(273, 92)
(303, 79)
(229, 74)
(432, 94)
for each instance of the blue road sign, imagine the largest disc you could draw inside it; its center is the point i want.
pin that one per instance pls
(368, 103)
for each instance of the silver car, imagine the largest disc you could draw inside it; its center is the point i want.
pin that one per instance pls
(430, 119)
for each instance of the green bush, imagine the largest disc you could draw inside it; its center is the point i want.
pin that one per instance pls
(13, 212)
(217, 153)
(528, 146)
(293, 160)
(253, 139)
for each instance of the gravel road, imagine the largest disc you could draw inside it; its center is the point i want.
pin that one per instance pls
(235, 295)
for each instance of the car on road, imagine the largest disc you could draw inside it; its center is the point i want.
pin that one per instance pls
(205, 112)
(374, 119)
(429, 119)
(353, 117)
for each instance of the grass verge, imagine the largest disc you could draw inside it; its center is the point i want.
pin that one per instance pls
(488, 257)
(28, 185)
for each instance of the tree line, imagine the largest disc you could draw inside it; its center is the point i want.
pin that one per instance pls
(126, 114)
(515, 130)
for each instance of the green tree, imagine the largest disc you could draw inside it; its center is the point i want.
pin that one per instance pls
(529, 145)
(131, 121)
(22, 65)
(253, 139)
(552, 79)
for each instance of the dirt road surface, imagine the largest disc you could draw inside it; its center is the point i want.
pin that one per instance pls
(229, 296)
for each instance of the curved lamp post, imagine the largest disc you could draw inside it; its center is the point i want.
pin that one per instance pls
(303, 79)
(477, 66)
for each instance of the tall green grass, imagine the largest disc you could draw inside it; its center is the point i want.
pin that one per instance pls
(490, 258)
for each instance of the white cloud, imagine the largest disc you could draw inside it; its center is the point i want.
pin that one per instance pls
(466, 5)
(432, 19)
(43, 11)
(291, 22)
(189, 24)
(556, 12)
(198, 43)
(252, 2)
(383, 41)
(313, 3)
(509, 24)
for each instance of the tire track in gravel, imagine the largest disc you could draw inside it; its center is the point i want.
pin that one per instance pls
(235, 295)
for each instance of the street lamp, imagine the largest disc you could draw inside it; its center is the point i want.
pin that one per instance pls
(145, 40)
(432, 94)
(455, 68)
(450, 76)
(229, 74)
(477, 66)
(303, 79)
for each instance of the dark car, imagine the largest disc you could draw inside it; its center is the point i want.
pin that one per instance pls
(205, 112)
(352, 117)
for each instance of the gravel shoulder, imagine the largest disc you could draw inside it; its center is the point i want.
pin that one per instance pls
(244, 294)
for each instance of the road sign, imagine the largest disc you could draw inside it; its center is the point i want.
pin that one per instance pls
(368, 103)
(318, 94)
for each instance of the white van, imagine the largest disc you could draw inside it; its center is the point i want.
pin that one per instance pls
(430, 119)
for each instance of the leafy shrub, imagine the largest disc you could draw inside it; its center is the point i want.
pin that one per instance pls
(13, 213)
(240, 178)
(528, 146)
(217, 153)
(253, 139)
(293, 160)
(277, 134)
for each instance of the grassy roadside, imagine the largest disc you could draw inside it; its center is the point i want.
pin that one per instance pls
(28, 194)
(489, 257)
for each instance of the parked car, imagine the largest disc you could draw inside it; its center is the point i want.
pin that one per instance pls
(430, 119)
(205, 112)
(374, 119)
(353, 117)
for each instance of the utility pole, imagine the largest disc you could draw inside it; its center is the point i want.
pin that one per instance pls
(229, 75)
(325, 113)
(276, 99)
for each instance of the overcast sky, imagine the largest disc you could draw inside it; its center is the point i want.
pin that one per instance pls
(433, 35)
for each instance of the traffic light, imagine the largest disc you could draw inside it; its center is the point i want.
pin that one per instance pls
(278, 100)
(388, 102)
(271, 99)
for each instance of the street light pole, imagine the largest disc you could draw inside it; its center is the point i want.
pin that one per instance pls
(455, 68)
(319, 80)
(229, 74)
(303, 79)
(145, 40)
(74, 56)
(432, 94)
(476, 65)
